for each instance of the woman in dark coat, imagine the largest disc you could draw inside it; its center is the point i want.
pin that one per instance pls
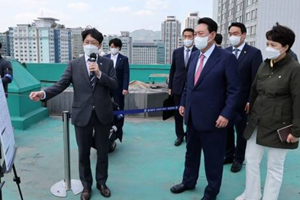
(274, 104)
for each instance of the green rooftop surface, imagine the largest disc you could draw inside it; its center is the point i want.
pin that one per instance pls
(143, 167)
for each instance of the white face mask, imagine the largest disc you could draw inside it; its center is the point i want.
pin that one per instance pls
(272, 53)
(114, 51)
(234, 40)
(188, 43)
(201, 42)
(89, 49)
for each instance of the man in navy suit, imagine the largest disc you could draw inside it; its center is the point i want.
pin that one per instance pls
(121, 65)
(249, 59)
(208, 104)
(177, 78)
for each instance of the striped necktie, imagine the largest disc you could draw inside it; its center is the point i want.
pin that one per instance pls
(92, 79)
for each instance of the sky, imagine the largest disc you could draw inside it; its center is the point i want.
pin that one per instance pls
(108, 16)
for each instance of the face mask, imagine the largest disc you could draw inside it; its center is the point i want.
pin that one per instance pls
(188, 43)
(272, 53)
(114, 51)
(201, 42)
(89, 49)
(234, 40)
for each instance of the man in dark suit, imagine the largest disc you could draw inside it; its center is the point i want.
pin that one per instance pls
(121, 65)
(208, 104)
(177, 78)
(6, 72)
(92, 108)
(249, 59)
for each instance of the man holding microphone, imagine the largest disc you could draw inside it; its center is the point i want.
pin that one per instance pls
(92, 78)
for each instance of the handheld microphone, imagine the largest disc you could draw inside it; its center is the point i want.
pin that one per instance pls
(92, 58)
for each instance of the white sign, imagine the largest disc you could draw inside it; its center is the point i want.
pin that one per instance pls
(6, 130)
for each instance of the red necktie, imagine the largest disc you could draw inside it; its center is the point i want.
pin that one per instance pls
(199, 70)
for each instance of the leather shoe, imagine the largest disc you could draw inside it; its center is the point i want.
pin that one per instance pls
(86, 194)
(228, 160)
(112, 147)
(104, 190)
(206, 198)
(178, 142)
(236, 167)
(179, 188)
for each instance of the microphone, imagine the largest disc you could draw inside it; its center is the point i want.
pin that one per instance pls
(92, 58)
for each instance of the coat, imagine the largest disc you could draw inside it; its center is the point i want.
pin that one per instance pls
(275, 102)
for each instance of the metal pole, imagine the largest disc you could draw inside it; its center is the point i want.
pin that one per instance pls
(66, 127)
(60, 188)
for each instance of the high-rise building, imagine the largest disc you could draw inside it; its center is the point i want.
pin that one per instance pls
(77, 48)
(43, 41)
(192, 20)
(161, 52)
(147, 53)
(171, 33)
(144, 53)
(258, 16)
(4, 40)
(33, 44)
(11, 41)
(126, 44)
(62, 38)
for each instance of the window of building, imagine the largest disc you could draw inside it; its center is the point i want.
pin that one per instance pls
(249, 2)
(254, 14)
(248, 16)
(248, 30)
(253, 30)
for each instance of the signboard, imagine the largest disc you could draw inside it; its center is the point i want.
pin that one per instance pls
(6, 131)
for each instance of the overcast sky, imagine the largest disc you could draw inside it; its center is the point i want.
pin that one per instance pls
(109, 16)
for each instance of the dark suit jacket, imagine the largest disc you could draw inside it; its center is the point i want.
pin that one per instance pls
(249, 61)
(178, 71)
(122, 70)
(84, 96)
(216, 92)
(6, 73)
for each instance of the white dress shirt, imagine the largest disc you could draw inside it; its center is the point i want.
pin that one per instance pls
(240, 48)
(114, 58)
(207, 55)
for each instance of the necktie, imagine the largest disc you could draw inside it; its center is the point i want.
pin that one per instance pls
(187, 57)
(199, 70)
(92, 79)
(236, 53)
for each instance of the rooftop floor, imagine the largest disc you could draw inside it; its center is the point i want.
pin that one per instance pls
(144, 166)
